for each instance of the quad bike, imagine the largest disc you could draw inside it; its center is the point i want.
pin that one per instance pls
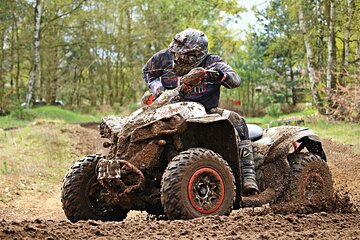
(172, 158)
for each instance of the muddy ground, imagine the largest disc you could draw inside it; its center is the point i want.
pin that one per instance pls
(39, 215)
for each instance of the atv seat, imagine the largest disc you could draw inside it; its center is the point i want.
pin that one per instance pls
(255, 132)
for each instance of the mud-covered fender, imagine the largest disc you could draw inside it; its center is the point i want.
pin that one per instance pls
(166, 120)
(280, 139)
(216, 133)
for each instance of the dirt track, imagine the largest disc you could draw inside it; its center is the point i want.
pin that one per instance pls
(39, 216)
(238, 226)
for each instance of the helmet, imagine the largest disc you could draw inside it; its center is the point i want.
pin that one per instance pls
(189, 49)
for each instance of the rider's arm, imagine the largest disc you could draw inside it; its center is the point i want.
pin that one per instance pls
(152, 72)
(230, 78)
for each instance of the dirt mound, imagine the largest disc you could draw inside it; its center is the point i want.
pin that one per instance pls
(39, 215)
(340, 203)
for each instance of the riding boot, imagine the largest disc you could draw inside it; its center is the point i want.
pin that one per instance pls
(248, 168)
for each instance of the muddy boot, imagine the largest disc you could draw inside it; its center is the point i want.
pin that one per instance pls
(248, 168)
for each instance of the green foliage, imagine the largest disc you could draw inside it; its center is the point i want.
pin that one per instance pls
(24, 114)
(274, 110)
(93, 52)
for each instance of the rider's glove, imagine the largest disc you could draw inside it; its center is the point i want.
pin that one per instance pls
(148, 98)
(185, 90)
(216, 75)
(194, 77)
(159, 91)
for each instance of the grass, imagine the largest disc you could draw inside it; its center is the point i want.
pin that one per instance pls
(37, 154)
(267, 120)
(8, 121)
(340, 132)
(23, 117)
(52, 112)
(33, 157)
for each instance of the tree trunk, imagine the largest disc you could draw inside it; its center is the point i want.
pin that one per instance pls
(286, 81)
(310, 62)
(36, 69)
(73, 94)
(2, 58)
(109, 82)
(357, 56)
(12, 57)
(15, 47)
(92, 94)
(130, 54)
(15, 53)
(292, 79)
(53, 81)
(331, 40)
(78, 88)
(122, 83)
(347, 35)
(330, 81)
(116, 83)
(248, 96)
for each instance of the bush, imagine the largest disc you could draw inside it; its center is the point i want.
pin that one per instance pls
(24, 114)
(345, 104)
(274, 110)
(290, 108)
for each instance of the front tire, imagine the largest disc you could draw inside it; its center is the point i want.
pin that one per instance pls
(310, 179)
(196, 183)
(82, 195)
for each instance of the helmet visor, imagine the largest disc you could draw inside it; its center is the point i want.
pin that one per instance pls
(185, 59)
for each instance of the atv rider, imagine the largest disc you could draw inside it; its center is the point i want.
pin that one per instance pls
(188, 50)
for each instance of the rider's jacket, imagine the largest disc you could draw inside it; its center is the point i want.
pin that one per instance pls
(158, 72)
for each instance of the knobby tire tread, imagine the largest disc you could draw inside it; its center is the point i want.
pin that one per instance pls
(301, 162)
(172, 178)
(72, 200)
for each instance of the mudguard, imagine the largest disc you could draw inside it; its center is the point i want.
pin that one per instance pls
(277, 141)
(146, 116)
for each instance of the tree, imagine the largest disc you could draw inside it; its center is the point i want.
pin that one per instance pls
(39, 28)
(347, 34)
(310, 61)
(35, 73)
(330, 81)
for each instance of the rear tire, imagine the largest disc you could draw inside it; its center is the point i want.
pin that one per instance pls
(310, 179)
(82, 195)
(196, 183)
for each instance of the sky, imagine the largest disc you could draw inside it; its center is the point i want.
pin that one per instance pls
(248, 17)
